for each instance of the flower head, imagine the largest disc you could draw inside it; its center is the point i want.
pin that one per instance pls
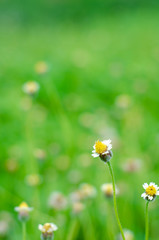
(151, 191)
(87, 191)
(102, 149)
(23, 209)
(129, 235)
(107, 189)
(57, 201)
(77, 208)
(31, 88)
(33, 179)
(41, 67)
(47, 230)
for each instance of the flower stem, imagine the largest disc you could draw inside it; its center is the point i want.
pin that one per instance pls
(74, 230)
(146, 222)
(23, 230)
(114, 197)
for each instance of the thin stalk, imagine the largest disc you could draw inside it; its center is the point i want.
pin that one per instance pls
(74, 230)
(114, 197)
(147, 222)
(23, 230)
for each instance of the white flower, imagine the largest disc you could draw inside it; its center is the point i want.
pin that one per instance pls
(87, 191)
(77, 207)
(23, 207)
(57, 201)
(129, 235)
(31, 87)
(107, 189)
(23, 211)
(151, 191)
(41, 67)
(47, 228)
(101, 148)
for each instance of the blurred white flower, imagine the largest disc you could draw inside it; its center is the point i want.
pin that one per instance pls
(102, 149)
(76, 196)
(129, 235)
(4, 228)
(151, 191)
(77, 207)
(123, 101)
(31, 87)
(41, 67)
(107, 189)
(40, 154)
(132, 165)
(23, 209)
(33, 179)
(57, 201)
(87, 191)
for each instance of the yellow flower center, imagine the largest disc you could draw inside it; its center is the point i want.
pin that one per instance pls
(23, 205)
(109, 189)
(151, 190)
(47, 226)
(100, 147)
(32, 87)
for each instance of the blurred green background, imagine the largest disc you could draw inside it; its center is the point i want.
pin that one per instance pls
(102, 82)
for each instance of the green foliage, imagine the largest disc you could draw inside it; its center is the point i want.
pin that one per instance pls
(102, 82)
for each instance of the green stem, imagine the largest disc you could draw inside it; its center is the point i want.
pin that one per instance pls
(147, 222)
(23, 230)
(74, 230)
(114, 197)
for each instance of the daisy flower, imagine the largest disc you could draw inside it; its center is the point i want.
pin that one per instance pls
(77, 208)
(87, 191)
(23, 209)
(107, 189)
(41, 67)
(47, 230)
(57, 201)
(102, 149)
(151, 191)
(31, 88)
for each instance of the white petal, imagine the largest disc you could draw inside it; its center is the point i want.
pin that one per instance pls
(109, 146)
(157, 193)
(40, 227)
(94, 146)
(150, 197)
(145, 185)
(106, 142)
(17, 209)
(94, 151)
(95, 155)
(144, 195)
(54, 227)
(106, 152)
(152, 184)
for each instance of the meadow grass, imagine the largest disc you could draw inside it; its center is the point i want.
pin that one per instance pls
(102, 82)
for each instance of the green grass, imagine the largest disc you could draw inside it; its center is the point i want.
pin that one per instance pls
(90, 64)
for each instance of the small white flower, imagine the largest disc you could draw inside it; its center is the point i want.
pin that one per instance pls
(23, 207)
(41, 67)
(87, 191)
(57, 201)
(23, 210)
(77, 207)
(31, 87)
(151, 191)
(47, 228)
(129, 235)
(101, 148)
(107, 189)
